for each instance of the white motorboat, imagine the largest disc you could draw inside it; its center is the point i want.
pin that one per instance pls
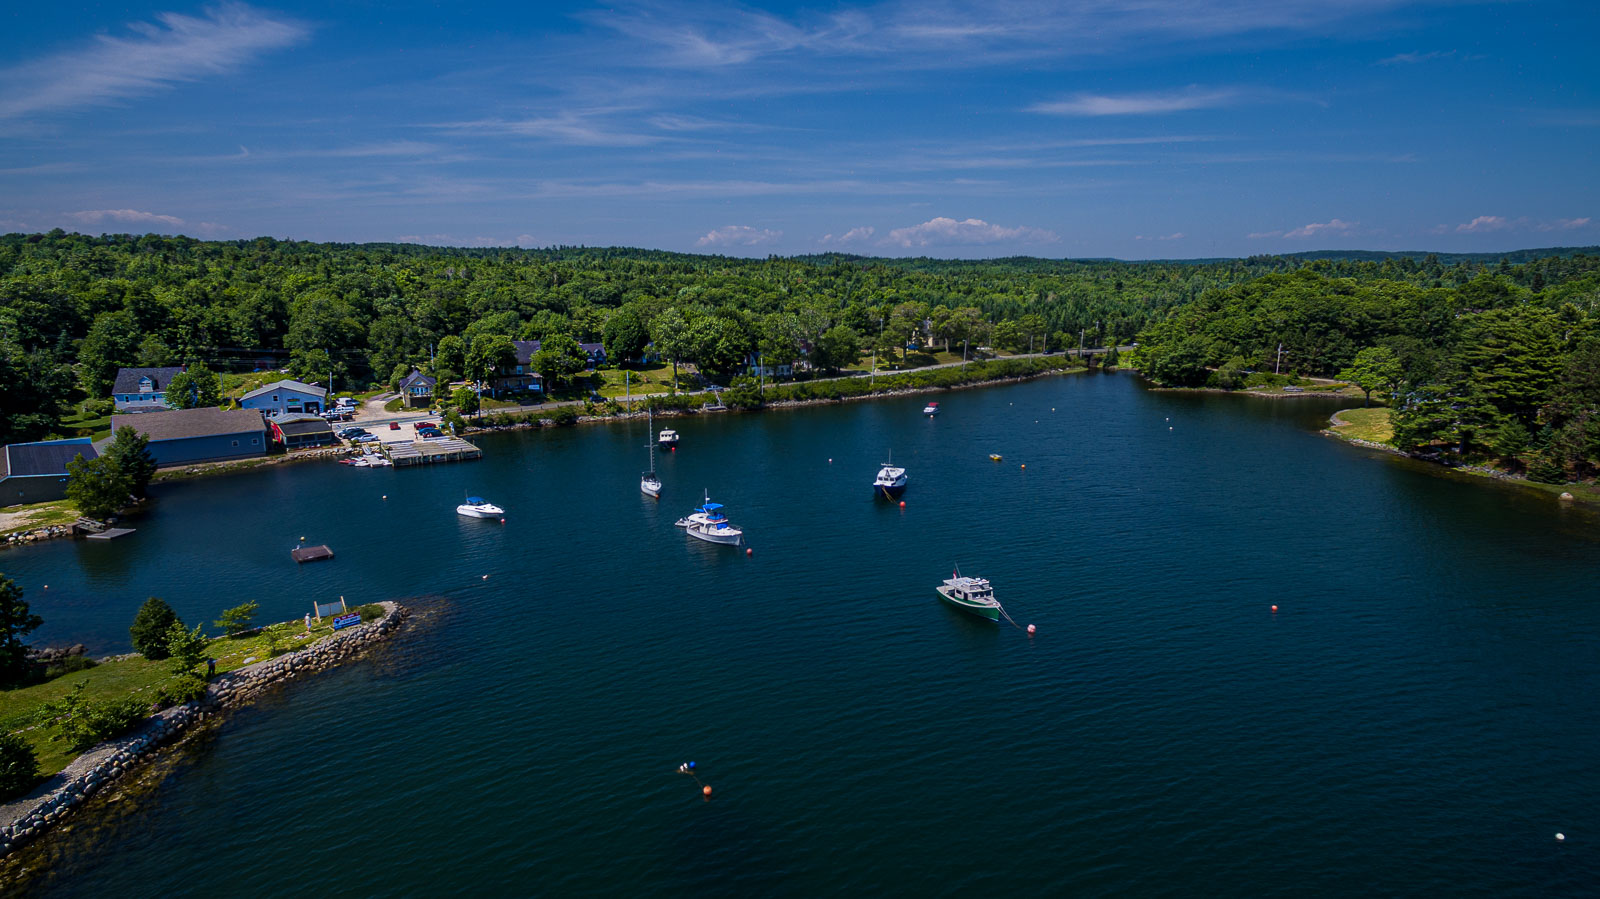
(931, 409)
(649, 482)
(891, 480)
(713, 527)
(667, 438)
(972, 595)
(478, 507)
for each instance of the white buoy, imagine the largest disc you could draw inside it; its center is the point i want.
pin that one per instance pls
(486, 577)
(1561, 836)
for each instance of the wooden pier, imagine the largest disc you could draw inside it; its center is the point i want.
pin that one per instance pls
(429, 450)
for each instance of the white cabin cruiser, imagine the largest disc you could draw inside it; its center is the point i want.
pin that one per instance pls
(891, 481)
(713, 527)
(478, 507)
(667, 438)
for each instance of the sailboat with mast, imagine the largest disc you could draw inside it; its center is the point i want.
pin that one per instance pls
(649, 482)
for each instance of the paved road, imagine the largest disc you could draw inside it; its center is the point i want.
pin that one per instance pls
(376, 419)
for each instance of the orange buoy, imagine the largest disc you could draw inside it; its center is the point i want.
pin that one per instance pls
(902, 504)
(706, 790)
(749, 552)
(1274, 608)
(1024, 465)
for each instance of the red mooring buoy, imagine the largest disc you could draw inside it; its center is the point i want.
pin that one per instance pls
(1274, 608)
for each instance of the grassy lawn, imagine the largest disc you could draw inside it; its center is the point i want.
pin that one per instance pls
(637, 379)
(81, 423)
(36, 515)
(139, 677)
(1371, 423)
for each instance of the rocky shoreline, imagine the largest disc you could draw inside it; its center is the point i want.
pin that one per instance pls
(26, 819)
(779, 404)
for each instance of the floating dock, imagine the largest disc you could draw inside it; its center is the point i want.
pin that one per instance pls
(429, 450)
(311, 553)
(111, 534)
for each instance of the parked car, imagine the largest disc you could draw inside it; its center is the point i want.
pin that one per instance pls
(367, 438)
(429, 432)
(424, 424)
(394, 425)
(351, 433)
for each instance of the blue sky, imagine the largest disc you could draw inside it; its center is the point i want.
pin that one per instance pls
(1128, 128)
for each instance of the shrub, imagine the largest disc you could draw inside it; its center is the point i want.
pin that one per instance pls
(68, 665)
(564, 416)
(19, 767)
(150, 626)
(184, 688)
(237, 620)
(82, 723)
(369, 612)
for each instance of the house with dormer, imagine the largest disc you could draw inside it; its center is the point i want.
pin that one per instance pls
(417, 389)
(143, 389)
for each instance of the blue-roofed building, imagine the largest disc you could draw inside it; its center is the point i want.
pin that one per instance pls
(184, 436)
(37, 472)
(142, 389)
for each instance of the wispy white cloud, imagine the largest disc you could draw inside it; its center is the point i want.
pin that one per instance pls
(1402, 59)
(1565, 224)
(176, 48)
(131, 216)
(1485, 223)
(954, 33)
(854, 235)
(738, 236)
(1262, 235)
(1332, 226)
(1156, 103)
(943, 231)
(1179, 235)
(586, 128)
(451, 240)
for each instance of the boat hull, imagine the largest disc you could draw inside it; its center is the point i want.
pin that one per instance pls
(986, 612)
(723, 537)
(889, 490)
(650, 488)
(476, 512)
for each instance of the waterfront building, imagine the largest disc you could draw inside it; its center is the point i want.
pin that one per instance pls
(286, 396)
(184, 436)
(142, 389)
(300, 429)
(37, 472)
(417, 389)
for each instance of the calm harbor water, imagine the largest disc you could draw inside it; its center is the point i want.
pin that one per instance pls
(1420, 717)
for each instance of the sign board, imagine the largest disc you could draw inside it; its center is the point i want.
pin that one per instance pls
(350, 620)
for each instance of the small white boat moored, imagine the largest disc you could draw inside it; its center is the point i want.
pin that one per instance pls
(667, 438)
(709, 524)
(478, 507)
(930, 410)
(891, 480)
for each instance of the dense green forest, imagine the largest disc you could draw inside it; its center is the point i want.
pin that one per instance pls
(1502, 368)
(73, 308)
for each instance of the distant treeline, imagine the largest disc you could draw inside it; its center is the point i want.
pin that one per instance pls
(1503, 367)
(73, 308)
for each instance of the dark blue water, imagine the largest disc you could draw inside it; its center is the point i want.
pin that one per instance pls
(1419, 718)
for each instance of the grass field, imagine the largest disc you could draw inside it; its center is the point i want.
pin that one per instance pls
(36, 515)
(1371, 423)
(141, 678)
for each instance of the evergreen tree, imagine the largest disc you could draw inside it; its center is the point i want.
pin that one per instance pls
(150, 629)
(16, 622)
(98, 487)
(129, 453)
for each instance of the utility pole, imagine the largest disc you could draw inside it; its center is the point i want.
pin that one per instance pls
(1081, 332)
(1279, 363)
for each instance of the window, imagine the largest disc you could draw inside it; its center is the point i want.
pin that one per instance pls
(236, 443)
(255, 441)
